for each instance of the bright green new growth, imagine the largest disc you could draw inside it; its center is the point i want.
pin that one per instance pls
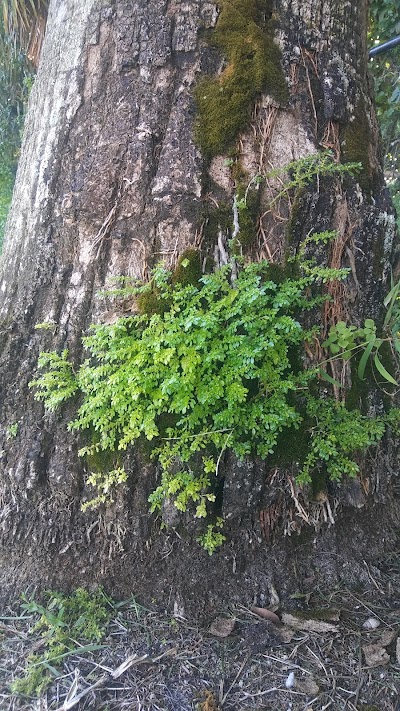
(58, 383)
(213, 371)
(104, 483)
(64, 623)
(209, 364)
(337, 435)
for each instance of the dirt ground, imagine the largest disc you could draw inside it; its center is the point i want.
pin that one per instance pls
(337, 650)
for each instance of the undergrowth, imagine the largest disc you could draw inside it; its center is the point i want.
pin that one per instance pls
(68, 624)
(212, 372)
(211, 364)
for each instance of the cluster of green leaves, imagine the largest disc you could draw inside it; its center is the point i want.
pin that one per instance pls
(212, 538)
(346, 340)
(12, 430)
(104, 483)
(212, 370)
(391, 323)
(63, 624)
(302, 172)
(336, 436)
(208, 364)
(58, 383)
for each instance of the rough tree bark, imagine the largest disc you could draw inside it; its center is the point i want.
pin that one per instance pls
(111, 180)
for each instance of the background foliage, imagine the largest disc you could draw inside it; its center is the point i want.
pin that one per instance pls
(22, 24)
(385, 69)
(15, 81)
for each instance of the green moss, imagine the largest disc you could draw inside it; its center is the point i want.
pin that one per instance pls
(253, 66)
(188, 270)
(292, 446)
(318, 482)
(102, 461)
(150, 302)
(356, 144)
(248, 217)
(277, 273)
(357, 394)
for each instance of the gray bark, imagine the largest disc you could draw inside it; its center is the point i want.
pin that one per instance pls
(110, 181)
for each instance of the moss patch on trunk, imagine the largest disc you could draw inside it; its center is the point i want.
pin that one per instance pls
(244, 34)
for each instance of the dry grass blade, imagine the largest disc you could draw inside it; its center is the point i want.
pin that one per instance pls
(73, 702)
(133, 659)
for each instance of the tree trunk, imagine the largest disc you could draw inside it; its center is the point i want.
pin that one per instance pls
(111, 180)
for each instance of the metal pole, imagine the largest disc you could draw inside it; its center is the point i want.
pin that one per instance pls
(385, 47)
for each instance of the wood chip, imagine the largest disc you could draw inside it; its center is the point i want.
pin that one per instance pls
(387, 637)
(307, 686)
(307, 625)
(398, 650)
(222, 627)
(274, 602)
(375, 655)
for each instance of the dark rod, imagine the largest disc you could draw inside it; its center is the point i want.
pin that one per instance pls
(381, 48)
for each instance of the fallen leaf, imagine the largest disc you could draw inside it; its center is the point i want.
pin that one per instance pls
(222, 626)
(375, 655)
(386, 637)
(307, 686)
(307, 625)
(266, 614)
(398, 650)
(209, 704)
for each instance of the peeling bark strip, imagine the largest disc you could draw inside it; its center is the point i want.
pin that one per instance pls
(111, 181)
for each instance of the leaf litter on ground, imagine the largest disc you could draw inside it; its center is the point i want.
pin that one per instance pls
(150, 661)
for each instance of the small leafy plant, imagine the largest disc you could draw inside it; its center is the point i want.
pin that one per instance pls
(336, 436)
(12, 430)
(212, 364)
(211, 370)
(64, 623)
(302, 172)
(345, 341)
(58, 383)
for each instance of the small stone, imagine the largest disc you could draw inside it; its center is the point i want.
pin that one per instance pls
(290, 681)
(371, 624)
